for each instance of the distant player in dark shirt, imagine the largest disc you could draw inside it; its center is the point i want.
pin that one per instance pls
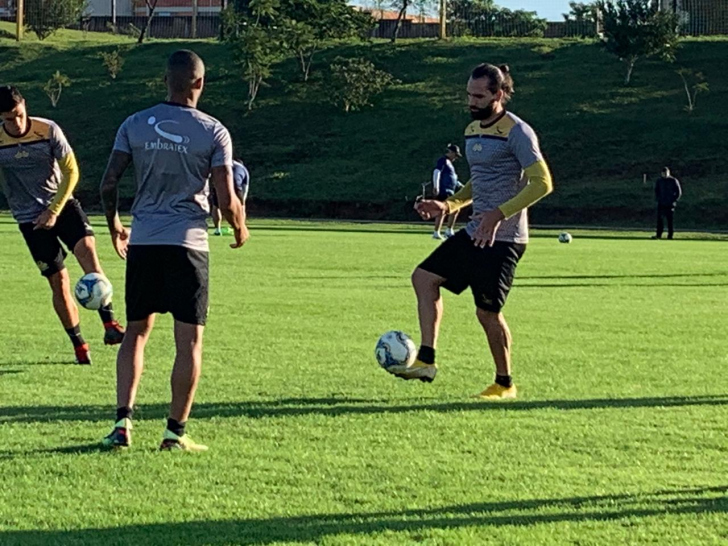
(445, 184)
(667, 193)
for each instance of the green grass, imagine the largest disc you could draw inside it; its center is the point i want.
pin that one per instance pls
(619, 435)
(307, 159)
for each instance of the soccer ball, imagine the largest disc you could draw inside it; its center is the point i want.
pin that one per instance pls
(93, 291)
(395, 349)
(565, 237)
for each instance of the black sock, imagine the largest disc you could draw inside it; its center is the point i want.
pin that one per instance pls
(107, 314)
(176, 427)
(504, 380)
(426, 354)
(123, 413)
(75, 335)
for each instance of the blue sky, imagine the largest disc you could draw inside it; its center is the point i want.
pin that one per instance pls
(548, 9)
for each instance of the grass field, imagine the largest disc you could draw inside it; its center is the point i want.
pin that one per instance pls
(309, 160)
(619, 435)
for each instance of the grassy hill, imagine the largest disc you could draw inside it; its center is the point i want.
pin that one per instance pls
(308, 159)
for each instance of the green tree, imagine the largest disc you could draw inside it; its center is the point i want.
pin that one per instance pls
(353, 83)
(54, 87)
(635, 29)
(694, 83)
(307, 25)
(256, 40)
(581, 19)
(44, 17)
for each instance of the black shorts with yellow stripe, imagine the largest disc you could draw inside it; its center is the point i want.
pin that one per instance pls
(487, 271)
(45, 244)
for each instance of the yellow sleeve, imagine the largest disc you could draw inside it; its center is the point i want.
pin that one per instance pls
(539, 186)
(461, 199)
(69, 180)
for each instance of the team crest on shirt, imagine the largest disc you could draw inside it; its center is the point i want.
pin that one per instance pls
(22, 154)
(177, 143)
(477, 148)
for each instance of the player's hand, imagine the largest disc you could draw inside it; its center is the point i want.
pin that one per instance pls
(489, 223)
(46, 220)
(429, 208)
(241, 235)
(120, 240)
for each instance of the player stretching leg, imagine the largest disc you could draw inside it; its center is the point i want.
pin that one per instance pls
(39, 172)
(508, 175)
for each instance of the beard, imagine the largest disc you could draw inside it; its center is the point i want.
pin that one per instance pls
(483, 113)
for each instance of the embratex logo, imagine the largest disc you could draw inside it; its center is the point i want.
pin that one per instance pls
(177, 143)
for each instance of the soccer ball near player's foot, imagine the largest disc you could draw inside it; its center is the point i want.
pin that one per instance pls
(565, 237)
(395, 348)
(93, 291)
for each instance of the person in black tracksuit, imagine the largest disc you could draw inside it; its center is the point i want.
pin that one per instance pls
(667, 194)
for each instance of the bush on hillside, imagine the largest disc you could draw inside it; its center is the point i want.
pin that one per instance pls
(44, 17)
(353, 83)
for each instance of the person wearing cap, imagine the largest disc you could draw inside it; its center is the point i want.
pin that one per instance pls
(445, 184)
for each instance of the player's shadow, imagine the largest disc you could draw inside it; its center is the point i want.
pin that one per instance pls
(628, 276)
(317, 528)
(341, 406)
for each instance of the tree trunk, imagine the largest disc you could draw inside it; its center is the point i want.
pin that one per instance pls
(400, 17)
(151, 6)
(630, 68)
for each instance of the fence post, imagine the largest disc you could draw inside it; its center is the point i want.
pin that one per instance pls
(113, 13)
(443, 19)
(194, 18)
(19, 27)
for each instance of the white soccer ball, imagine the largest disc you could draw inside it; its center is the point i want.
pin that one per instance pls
(395, 348)
(93, 291)
(565, 237)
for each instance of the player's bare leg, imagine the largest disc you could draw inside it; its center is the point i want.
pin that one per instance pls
(67, 311)
(429, 305)
(438, 226)
(500, 342)
(429, 310)
(187, 366)
(63, 302)
(88, 259)
(129, 367)
(185, 375)
(217, 219)
(450, 231)
(130, 361)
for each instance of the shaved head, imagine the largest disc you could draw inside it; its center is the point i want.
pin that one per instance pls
(184, 70)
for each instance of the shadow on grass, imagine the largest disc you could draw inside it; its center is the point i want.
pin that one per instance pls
(316, 528)
(622, 284)
(335, 407)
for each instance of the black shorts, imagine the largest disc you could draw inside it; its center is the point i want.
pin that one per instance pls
(167, 279)
(45, 244)
(487, 271)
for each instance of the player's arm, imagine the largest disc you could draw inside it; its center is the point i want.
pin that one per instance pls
(117, 165)
(69, 180)
(436, 182)
(539, 186)
(63, 154)
(461, 199)
(228, 203)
